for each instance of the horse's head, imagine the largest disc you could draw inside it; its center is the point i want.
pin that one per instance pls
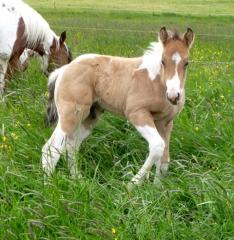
(175, 61)
(58, 55)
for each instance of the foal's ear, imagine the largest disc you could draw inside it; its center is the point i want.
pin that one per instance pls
(63, 37)
(189, 37)
(163, 35)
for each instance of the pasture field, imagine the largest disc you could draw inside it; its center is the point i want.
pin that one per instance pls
(194, 201)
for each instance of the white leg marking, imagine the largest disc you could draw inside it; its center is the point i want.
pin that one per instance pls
(52, 150)
(71, 147)
(156, 148)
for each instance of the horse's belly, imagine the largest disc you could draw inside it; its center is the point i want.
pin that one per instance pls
(110, 107)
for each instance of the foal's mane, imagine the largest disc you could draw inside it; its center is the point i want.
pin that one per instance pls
(174, 34)
(37, 28)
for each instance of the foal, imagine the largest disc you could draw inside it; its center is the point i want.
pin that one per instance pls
(22, 27)
(148, 91)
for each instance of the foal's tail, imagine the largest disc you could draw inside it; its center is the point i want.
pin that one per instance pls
(52, 114)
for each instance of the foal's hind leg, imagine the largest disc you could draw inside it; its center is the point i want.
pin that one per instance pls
(52, 150)
(163, 164)
(82, 132)
(63, 136)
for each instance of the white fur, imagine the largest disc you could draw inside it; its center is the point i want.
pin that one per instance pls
(81, 134)
(156, 149)
(56, 145)
(173, 84)
(151, 60)
(176, 58)
(24, 56)
(37, 29)
(3, 69)
(52, 150)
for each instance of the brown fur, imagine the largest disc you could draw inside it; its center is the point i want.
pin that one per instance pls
(18, 49)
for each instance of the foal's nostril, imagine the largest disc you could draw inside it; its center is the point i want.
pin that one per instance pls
(178, 97)
(174, 100)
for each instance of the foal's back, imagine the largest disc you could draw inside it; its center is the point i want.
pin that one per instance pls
(104, 79)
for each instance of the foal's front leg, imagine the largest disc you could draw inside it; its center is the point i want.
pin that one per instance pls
(143, 122)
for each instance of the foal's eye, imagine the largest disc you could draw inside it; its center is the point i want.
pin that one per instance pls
(186, 65)
(163, 62)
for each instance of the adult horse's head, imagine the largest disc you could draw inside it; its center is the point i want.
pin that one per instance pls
(58, 55)
(175, 61)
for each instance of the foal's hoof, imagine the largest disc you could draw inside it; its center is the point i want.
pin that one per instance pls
(75, 176)
(157, 182)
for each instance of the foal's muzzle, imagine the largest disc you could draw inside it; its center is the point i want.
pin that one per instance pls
(175, 99)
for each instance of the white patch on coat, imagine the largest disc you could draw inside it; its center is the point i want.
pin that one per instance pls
(8, 28)
(176, 58)
(151, 60)
(173, 84)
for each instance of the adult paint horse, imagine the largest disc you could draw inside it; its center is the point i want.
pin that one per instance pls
(22, 27)
(148, 91)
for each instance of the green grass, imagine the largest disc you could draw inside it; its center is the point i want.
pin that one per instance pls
(198, 7)
(196, 199)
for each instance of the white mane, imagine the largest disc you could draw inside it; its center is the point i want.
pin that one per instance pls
(37, 29)
(151, 60)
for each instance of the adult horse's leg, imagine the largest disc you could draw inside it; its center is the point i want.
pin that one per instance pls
(3, 69)
(143, 121)
(13, 65)
(163, 164)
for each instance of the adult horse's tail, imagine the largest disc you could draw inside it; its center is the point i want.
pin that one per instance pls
(52, 114)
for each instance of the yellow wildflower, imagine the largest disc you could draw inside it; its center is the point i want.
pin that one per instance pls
(14, 136)
(17, 124)
(113, 230)
(221, 96)
(4, 139)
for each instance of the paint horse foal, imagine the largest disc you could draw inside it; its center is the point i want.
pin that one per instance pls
(148, 91)
(22, 27)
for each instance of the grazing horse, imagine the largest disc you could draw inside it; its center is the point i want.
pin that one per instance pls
(22, 27)
(148, 91)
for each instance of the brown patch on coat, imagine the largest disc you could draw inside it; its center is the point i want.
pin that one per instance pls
(18, 48)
